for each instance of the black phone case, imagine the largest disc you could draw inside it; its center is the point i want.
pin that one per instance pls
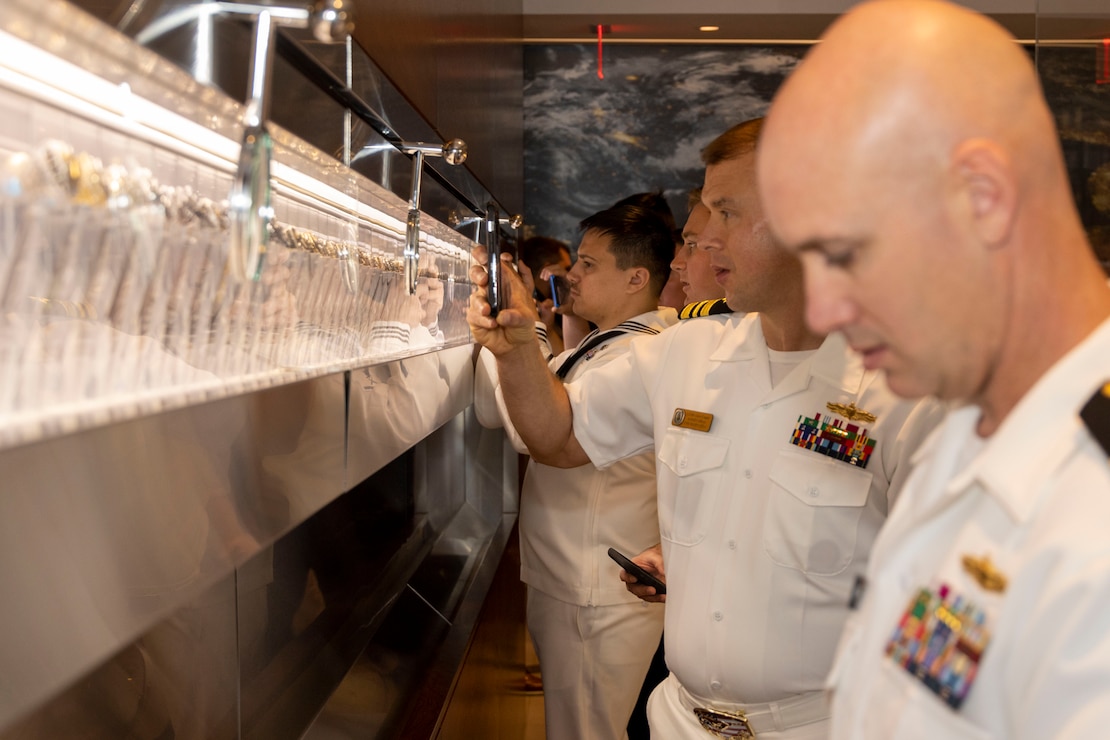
(495, 293)
(641, 575)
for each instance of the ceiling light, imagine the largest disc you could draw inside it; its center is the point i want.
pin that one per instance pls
(709, 28)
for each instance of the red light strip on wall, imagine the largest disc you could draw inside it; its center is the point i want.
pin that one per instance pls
(1104, 78)
(600, 72)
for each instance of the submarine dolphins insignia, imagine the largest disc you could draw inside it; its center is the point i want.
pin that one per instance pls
(985, 574)
(850, 412)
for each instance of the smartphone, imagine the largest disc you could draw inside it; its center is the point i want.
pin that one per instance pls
(496, 290)
(560, 288)
(642, 575)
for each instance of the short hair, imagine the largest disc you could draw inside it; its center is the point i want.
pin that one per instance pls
(539, 251)
(638, 237)
(693, 199)
(655, 202)
(739, 140)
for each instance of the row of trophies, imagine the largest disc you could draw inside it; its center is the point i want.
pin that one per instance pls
(116, 288)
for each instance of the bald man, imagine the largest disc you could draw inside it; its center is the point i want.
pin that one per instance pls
(932, 212)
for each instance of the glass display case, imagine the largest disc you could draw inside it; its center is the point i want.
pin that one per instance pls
(230, 444)
(124, 291)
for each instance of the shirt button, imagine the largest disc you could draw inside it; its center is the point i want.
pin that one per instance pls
(748, 473)
(716, 685)
(732, 544)
(813, 491)
(718, 616)
(682, 463)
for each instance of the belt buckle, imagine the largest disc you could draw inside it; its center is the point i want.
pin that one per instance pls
(724, 724)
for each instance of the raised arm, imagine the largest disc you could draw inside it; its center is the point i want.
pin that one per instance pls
(537, 402)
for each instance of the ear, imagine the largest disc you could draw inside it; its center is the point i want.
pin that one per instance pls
(638, 279)
(985, 175)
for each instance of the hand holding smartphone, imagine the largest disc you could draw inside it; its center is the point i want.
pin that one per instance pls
(642, 576)
(497, 292)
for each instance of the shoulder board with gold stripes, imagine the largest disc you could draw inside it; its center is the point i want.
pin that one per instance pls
(704, 308)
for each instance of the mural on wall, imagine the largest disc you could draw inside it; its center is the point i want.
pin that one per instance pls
(589, 142)
(1076, 82)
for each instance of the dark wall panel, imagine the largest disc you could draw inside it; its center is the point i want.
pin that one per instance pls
(460, 64)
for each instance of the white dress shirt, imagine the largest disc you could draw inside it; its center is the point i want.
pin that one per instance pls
(570, 517)
(1034, 498)
(762, 540)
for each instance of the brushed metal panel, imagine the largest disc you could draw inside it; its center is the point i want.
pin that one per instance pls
(120, 543)
(104, 533)
(396, 404)
(333, 579)
(296, 465)
(178, 680)
(491, 465)
(101, 534)
(398, 685)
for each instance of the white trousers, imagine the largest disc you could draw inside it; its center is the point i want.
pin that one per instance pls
(593, 660)
(670, 720)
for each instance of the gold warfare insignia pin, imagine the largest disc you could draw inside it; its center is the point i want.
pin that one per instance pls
(985, 574)
(850, 412)
(699, 421)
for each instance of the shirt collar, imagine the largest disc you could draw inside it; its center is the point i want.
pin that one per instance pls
(1037, 436)
(838, 365)
(833, 362)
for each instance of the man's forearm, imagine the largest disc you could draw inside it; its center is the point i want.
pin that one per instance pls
(539, 408)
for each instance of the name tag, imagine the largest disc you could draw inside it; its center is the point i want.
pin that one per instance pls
(699, 421)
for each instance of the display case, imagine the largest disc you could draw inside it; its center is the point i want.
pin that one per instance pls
(238, 454)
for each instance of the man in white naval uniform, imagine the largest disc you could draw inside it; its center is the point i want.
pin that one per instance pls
(939, 234)
(777, 459)
(593, 639)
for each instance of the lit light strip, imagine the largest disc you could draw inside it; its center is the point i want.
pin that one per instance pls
(35, 73)
(600, 33)
(30, 71)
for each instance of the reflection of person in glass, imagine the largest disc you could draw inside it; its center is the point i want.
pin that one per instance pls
(408, 321)
(169, 527)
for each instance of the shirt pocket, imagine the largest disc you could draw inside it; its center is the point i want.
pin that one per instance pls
(902, 707)
(689, 482)
(813, 511)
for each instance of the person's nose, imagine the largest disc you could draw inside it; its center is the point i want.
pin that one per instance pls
(678, 264)
(829, 306)
(711, 237)
(573, 276)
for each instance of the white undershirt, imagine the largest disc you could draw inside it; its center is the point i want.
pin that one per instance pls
(783, 362)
